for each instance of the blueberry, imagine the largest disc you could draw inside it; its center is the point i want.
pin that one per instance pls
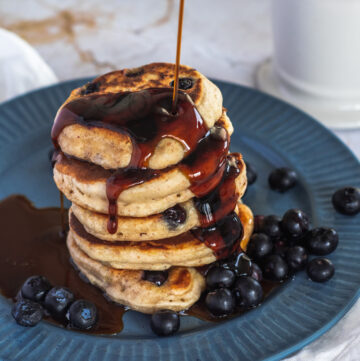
(347, 200)
(296, 258)
(175, 216)
(251, 174)
(220, 302)
(218, 277)
(256, 272)
(165, 322)
(35, 288)
(82, 314)
(322, 241)
(275, 268)
(157, 277)
(248, 292)
(239, 263)
(184, 83)
(280, 248)
(258, 223)
(58, 300)
(90, 88)
(27, 313)
(259, 246)
(320, 269)
(295, 223)
(282, 179)
(271, 226)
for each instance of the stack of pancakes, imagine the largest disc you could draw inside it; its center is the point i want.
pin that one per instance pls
(158, 225)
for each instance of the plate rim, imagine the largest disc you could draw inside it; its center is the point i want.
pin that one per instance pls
(299, 345)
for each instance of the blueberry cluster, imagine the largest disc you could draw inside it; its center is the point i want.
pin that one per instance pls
(281, 246)
(37, 298)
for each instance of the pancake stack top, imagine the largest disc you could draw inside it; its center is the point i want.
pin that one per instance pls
(151, 190)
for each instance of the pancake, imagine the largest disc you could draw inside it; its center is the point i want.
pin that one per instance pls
(111, 149)
(181, 290)
(153, 227)
(85, 184)
(183, 250)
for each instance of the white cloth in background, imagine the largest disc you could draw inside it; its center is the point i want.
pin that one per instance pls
(21, 67)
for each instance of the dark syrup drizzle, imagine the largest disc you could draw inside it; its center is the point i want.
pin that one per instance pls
(32, 243)
(39, 247)
(146, 118)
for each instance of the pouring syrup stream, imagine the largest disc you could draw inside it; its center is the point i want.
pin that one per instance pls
(177, 61)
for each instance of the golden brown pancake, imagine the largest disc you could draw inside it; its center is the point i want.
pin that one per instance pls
(181, 290)
(112, 149)
(85, 184)
(183, 250)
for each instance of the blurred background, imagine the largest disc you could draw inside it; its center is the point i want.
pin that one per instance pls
(87, 37)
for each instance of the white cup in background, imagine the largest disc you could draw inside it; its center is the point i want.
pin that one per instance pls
(316, 60)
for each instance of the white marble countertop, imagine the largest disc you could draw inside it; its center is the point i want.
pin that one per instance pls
(226, 40)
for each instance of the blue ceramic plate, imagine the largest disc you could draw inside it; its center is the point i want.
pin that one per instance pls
(270, 134)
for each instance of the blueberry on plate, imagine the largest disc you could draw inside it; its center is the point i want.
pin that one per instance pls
(271, 226)
(275, 268)
(296, 258)
(295, 223)
(218, 277)
(282, 179)
(322, 241)
(82, 314)
(259, 246)
(165, 322)
(251, 173)
(240, 264)
(248, 292)
(58, 300)
(27, 313)
(347, 200)
(35, 288)
(256, 272)
(320, 269)
(280, 247)
(220, 302)
(258, 222)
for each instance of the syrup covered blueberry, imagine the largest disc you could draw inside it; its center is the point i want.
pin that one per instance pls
(220, 302)
(251, 173)
(258, 223)
(82, 314)
(271, 226)
(240, 264)
(165, 322)
(259, 246)
(282, 179)
(296, 258)
(295, 223)
(256, 272)
(322, 241)
(275, 268)
(320, 269)
(27, 313)
(58, 300)
(219, 277)
(248, 292)
(347, 200)
(35, 288)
